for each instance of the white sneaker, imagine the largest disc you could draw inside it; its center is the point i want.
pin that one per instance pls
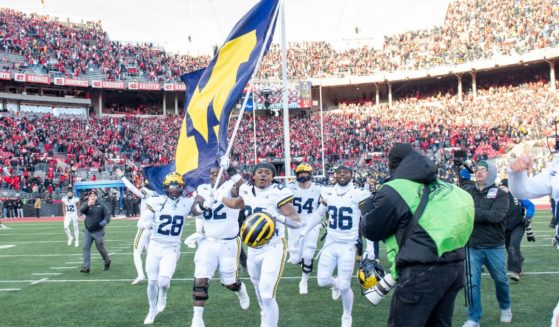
(77, 243)
(470, 323)
(150, 317)
(70, 239)
(244, 299)
(346, 321)
(506, 315)
(336, 293)
(138, 280)
(303, 287)
(197, 322)
(161, 304)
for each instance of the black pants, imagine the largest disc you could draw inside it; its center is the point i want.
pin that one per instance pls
(513, 238)
(424, 295)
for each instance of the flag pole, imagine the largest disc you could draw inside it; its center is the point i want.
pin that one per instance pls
(240, 116)
(286, 137)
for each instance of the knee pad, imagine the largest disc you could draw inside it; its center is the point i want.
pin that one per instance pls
(234, 287)
(200, 291)
(307, 269)
(163, 282)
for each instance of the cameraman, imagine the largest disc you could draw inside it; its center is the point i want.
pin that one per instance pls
(426, 250)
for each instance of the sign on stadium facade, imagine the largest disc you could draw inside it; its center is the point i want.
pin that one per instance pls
(174, 87)
(108, 85)
(38, 79)
(5, 75)
(71, 82)
(144, 86)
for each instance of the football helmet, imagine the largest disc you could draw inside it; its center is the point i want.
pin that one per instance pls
(258, 229)
(303, 168)
(174, 185)
(370, 273)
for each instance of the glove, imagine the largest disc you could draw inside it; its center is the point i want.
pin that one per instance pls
(224, 162)
(368, 256)
(191, 240)
(359, 246)
(209, 202)
(103, 223)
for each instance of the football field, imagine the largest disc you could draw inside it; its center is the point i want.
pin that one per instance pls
(40, 285)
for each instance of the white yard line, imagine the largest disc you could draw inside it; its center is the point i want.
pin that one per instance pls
(9, 289)
(39, 281)
(46, 274)
(63, 267)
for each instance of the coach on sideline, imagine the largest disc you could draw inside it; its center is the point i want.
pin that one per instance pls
(97, 216)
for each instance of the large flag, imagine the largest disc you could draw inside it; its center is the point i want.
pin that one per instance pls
(203, 134)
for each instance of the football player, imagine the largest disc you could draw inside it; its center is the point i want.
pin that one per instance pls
(306, 198)
(70, 207)
(164, 216)
(141, 240)
(265, 263)
(219, 245)
(341, 203)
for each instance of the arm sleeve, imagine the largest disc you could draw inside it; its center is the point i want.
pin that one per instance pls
(523, 187)
(106, 213)
(496, 213)
(530, 208)
(314, 219)
(146, 217)
(133, 188)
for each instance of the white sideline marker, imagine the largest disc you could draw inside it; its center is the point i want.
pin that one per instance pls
(9, 289)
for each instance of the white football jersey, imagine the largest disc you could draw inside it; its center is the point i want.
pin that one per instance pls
(71, 205)
(220, 221)
(343, 211)
(274, 196)
(306, 201)
(169, 217)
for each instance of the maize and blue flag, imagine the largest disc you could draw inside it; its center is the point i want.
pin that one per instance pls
(218, 87)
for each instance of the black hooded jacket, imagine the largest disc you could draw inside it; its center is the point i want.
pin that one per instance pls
(388, 214)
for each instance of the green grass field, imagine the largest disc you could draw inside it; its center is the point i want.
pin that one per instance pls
(40, 285)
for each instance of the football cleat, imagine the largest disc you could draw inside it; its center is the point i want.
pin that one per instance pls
(198, 322)
(70, 241)
(244, 299)
(77, 243)
(303, 287)
(138, 280)
(336, 293)
(161, 304)
(150, 317)
(346, 320)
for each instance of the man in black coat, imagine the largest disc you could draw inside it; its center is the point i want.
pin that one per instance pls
(97, 216)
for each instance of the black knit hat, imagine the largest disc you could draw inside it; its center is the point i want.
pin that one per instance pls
(397, 153)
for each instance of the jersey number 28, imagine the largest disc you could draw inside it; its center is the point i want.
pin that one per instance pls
(176, 223)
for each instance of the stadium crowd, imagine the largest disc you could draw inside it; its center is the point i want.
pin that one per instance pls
(472, 30)
(499, 118)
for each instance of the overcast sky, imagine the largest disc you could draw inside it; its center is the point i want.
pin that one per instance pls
(169, 23)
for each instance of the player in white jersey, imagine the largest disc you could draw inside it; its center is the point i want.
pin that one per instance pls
(265, 263)
(141, 240)
(70, 205)
(341, 203)
(219, 245)
(165, 216)
(306, 198)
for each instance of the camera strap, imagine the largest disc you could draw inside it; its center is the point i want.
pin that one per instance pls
(417, 214)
